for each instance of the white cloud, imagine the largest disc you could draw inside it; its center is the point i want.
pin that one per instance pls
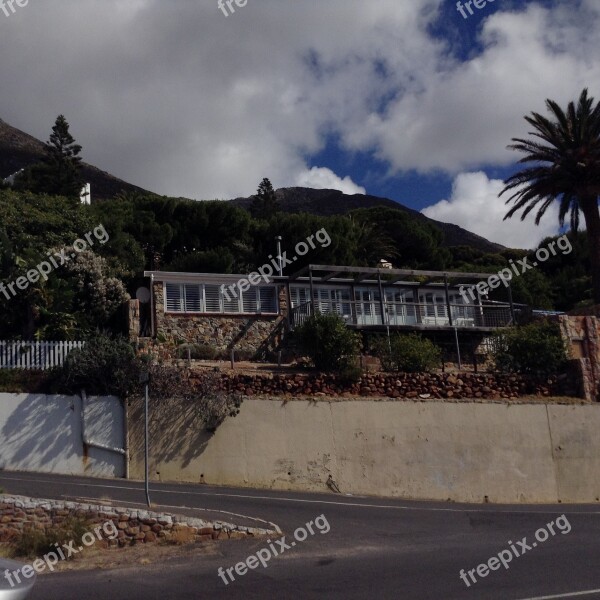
(475, 205)
(324, 178)
(180, 99)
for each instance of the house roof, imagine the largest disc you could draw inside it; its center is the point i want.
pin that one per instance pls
(334, 274)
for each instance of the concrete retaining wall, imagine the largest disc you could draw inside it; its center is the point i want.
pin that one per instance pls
(462, 451)
(44, 433)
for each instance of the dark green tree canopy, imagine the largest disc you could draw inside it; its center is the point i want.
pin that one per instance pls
(265, 203)
(60, 172)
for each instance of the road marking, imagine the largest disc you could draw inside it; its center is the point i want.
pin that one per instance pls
(571, 595)
(306, 501)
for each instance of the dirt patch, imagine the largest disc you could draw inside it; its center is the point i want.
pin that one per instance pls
(130, 556)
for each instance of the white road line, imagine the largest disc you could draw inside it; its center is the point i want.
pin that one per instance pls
(306, 501)
(571, 595)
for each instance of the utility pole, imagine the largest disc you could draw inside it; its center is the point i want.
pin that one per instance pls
(145, 379)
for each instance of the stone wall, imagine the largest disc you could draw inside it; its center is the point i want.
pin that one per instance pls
(582, 335)
(400, 385)
(18, 514)
(258, 334)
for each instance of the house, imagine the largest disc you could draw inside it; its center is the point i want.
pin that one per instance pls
(208, 308)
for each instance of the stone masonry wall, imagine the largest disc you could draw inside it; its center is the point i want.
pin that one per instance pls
(582, 335)
(19, 513)
(401, 385)
(257, 334)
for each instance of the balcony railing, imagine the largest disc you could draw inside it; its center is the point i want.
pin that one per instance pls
(417, 314)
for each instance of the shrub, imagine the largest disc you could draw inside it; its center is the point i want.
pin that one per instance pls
(244, 354)
(537, 349)
(104, 366)
(408, 353)
(33, 542)
(211, 405)
(197, 351)
(328, 342)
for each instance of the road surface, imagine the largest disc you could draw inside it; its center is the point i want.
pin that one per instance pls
(375, 548)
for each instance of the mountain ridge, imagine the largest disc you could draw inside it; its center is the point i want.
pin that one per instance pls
(329, 202)
(19, 149)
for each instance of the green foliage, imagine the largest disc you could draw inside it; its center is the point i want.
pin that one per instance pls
(33, 543)
(537, 348)
(328, 342)
(265, 203)
(210, 404)
(217, 260)
(59, 173)
(197, 351)
(104, 366)
(409, 353)
(416, 244)
(24, 381)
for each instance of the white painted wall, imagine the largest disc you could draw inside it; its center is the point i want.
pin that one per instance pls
(43, 433)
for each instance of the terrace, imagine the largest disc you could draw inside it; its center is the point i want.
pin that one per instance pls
(375, 298)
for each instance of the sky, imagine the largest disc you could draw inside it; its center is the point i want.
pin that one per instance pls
(405, 99)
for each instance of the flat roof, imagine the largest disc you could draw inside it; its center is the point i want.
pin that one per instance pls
(334, 274)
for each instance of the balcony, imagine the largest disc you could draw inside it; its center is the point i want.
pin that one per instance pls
(409, 315)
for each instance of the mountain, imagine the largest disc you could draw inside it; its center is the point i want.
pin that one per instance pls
(19, 149)
(333, 202)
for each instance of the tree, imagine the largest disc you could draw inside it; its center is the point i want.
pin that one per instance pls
(265, 203)
(566, 169)
(60, 171)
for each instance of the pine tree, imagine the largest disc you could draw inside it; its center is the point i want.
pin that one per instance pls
(265, 203)
(59, 173)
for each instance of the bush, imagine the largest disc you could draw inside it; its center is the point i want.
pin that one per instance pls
(25, 381)
(197, 351)
(211, 405)
(33, 542)
(328, 342)
(537, 349)
(408, 353)
(103, 366)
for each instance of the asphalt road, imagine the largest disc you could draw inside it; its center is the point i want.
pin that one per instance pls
(375, 548)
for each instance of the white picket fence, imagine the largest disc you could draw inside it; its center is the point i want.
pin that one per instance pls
(34, 355)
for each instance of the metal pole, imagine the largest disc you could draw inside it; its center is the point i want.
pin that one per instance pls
(457, 347)
(384, 316)
(280, 268)
(448, 306)
(512, 306)
(147, 486)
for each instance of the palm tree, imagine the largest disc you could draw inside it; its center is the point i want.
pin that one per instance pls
(566, 157)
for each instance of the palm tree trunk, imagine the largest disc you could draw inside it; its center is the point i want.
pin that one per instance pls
(589, 207)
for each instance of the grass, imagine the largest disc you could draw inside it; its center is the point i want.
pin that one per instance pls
(34, 542)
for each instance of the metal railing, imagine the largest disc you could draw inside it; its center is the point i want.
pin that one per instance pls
(418, 314)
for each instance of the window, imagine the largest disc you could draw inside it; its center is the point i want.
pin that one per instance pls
(174, 299)
(268, 299)
(210, 298)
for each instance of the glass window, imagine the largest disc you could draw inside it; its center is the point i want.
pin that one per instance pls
(212, 299)
(193, 297)
(268, 299)
(174, 297)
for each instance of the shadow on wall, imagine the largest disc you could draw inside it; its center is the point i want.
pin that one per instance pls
(176, 433)
(40, 432)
